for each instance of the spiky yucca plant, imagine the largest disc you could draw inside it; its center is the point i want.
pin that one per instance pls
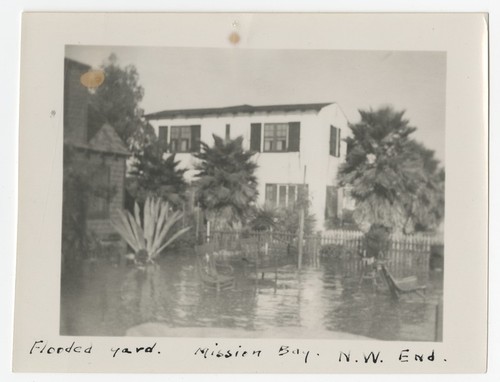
(152, 236)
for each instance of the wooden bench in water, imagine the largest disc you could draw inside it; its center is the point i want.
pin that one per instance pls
(401, 286)
(213, 275)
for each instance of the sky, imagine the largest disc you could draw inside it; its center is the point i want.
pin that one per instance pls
(184, 78)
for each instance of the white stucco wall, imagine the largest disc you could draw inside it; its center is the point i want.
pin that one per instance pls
(333, 115)
(280, 167)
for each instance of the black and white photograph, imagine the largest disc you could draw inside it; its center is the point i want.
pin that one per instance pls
(253, 193)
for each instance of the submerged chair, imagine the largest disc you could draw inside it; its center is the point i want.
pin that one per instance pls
(401, 286)
(213, 275)
(256, 259)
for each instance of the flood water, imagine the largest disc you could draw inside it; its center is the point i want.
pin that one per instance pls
(107, 300)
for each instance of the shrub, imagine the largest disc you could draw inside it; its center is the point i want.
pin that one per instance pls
(331, 250)
(376, 240)
(282, 219)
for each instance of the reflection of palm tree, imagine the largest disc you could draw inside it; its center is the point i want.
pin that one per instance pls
(141, 296)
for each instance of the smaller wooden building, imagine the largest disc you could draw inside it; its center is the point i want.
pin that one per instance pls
(94, 160)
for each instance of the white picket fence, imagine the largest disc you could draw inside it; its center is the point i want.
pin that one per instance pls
(404, 251)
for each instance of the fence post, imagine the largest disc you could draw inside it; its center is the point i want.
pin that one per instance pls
(301, 237)
(438, 329)
(197, 232)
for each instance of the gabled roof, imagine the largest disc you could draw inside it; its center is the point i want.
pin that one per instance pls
(107, 140)
(246, 109)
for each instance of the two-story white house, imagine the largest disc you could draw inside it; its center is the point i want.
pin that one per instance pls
(294, 145)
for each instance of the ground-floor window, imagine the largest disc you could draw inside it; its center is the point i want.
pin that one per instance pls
(339, 206)
(180, 139)
(284, 194)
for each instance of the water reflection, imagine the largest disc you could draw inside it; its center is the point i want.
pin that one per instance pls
(108, 300)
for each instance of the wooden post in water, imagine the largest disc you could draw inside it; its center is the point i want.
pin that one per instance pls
(301, 236)
(183, 214)
(301, 221)
(208, 231)
(197, 224)
(438, 325)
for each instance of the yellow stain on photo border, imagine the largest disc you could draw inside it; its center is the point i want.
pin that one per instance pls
(92, 79)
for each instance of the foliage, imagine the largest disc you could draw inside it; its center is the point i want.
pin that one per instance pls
(226, 185)
(289, 220)
(264, 218)
(153, 174)
(426, 207)
(331, 250)
(346, 222)
(186, 242)
(283, 219)
(117, 100)
(395, 181)
(150, 237)
(376, 240)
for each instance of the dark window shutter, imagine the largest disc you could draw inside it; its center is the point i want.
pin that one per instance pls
(294, 136)
(255, 132)
(333, 138)
(334, 141)
(163, 138)
(338, 142)
(195, 138)
(331, 210)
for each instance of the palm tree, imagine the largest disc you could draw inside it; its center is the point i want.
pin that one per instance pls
(426, 206)
(394, 179)
(226, 185)
(153, 174)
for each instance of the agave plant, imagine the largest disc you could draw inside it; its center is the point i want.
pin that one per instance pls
(152, 236)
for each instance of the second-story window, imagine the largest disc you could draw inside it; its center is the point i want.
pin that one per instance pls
(278, 137)
(183, 139)
(180, 139)
(275, 136)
